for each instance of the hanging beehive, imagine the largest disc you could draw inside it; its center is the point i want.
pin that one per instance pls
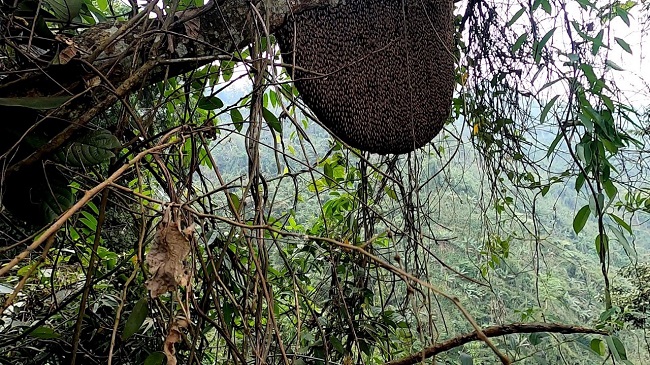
(377, 73)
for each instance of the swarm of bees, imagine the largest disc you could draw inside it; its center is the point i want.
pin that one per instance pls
(377, 73)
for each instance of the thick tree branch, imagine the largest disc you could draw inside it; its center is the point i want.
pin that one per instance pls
(218, 28)
(493, 331)
(114, 60)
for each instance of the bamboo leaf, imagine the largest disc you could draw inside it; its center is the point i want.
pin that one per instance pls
(623, 45)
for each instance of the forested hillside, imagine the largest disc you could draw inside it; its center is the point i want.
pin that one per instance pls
(191, 183)
(510, 264)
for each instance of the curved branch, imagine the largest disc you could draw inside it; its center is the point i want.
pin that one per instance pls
(493, 331)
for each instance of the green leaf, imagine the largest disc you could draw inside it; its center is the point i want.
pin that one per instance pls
(553, 144)
(623, 13)
(227, 70)
(272, 120)
(585, 120)
(621, 222)
(103, 4)
(516, 17)
(539, 46)
(209, 103)
(573, 57)
(598, 346)
(336, 343)
(589, 73)
(609, 104)
(616, 347)
(235, 200)
(547, 108)
(597, 203)
(25, 269)
(620, 238)
(519, 42)
(597, 42)
(154, 358)
(623, 45)
(44, 333)
(581, 219)
(578, 28)
(580, 181)
(390, 192)
(602, 243)
(610, 189)
(545, 190)
(65, 10)
(89, 220)
(91, 149)
(546, 6)
(585, 153)
(90, 12)
(38, 103)
(136, 318)
(328, 171)
(57, 197)
(273, 97)
(613, 65)
(237, 119)
(93, 207)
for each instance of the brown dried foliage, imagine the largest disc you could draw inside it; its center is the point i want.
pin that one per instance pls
(167, 260)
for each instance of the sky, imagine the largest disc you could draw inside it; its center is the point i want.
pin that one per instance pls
(634, 80)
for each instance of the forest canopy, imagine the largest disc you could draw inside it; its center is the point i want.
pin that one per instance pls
(174, 188)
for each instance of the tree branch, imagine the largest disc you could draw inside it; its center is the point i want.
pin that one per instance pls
(218, 28)
(137, 53)
(493, 331)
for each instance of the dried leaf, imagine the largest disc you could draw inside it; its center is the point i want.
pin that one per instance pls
(193, 27)
(67, 54)
(64, 39)
(173, 336)
(191, 21)
(93, 82)
(166, 260)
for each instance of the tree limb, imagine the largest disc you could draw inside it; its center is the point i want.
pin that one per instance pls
(137, 53)
(492, 331)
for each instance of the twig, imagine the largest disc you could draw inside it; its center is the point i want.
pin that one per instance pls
(78, 205)
(119, 312)
(378, 261)
(29, 273)
(92, 265)
(63, 137)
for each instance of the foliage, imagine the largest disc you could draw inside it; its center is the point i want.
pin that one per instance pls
(301, 250)
(632, 293)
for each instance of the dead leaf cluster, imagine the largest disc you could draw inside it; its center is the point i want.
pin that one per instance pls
(167, 260)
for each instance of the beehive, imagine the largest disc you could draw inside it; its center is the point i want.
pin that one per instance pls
(377, 73)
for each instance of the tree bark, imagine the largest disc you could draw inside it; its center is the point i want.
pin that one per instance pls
(112, 60)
